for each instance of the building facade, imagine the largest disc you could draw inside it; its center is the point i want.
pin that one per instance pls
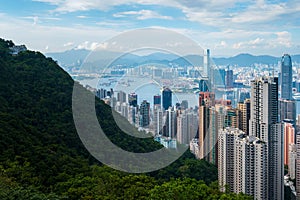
(286, 77)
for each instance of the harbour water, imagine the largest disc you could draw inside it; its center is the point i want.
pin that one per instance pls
(144, 87)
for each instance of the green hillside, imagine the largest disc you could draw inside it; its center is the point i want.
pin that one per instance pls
(42, 157)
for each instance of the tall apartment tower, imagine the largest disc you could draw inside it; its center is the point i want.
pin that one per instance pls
(243, 163)
(286, 77)
(132, 99)
(289, 139)
(145, 114)
(264, 125)
(206, 101)
(287, 110)
(157, 100)
(158, 120)
(298, 161)
(170, 126)
(244, 115)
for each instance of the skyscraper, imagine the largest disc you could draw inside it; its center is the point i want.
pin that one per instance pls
(265, 126)
(287, 110)
(132, 99)
(243, 163)
(167, 98)
(289, 138)
(298, 161)
(157, 100)
(229, 78)
(206, 101)
(286, 77)
(170, 126)
(157, 120)
(244, 115)
(121, 97)
(145, 114)
(204, 84)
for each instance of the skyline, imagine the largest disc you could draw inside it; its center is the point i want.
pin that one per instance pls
(259, 28)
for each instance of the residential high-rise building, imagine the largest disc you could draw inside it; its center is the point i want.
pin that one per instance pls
(244, 115)
(286, 77)
(170, 126)
(231, 117)
(243, 163)
(298, 161)
(121, 97)
(287, 110)
(226, 159)
(289, 138)
(144, 114)
(264, 125)
(132, 99)
(157, 100)
(206, 100)
(158, 120)
(229, 78)
(187, 125)
(166, 98)
(132, 112)
(292, 161)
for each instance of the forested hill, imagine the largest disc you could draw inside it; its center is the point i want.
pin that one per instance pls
(42, 157)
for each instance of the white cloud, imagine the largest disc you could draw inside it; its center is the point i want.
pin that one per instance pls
(55, 37)
(88, 45)
(82, 17)
(284, 38)
(142, 15)
(69, 44)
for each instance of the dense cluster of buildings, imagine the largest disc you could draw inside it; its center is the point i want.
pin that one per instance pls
(250, 140)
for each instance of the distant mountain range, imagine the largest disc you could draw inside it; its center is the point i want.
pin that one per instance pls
(74, 57)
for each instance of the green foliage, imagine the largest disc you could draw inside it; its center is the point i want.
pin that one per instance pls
(42, 157)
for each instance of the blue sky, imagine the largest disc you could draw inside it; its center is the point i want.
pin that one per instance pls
(226, 27)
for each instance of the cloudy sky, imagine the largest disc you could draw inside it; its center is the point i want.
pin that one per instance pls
(226, 27)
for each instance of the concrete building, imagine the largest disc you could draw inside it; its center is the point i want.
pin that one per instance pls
(292, 161)
(298, 162)
(158, 122)
(121, 97)
(132, 99)
(144, 114)
(289, 138)
(264, 125)
(243, 163)
(244, 115)
(187, 125)
(287, 110)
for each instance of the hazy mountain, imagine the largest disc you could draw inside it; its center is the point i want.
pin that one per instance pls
(246, 60)
(105, 58)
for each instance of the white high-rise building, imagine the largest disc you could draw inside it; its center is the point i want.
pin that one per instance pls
(292, 160)
(187, 125)
(243, 163)
(157, 120)
(226, 159)
(264, 124)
